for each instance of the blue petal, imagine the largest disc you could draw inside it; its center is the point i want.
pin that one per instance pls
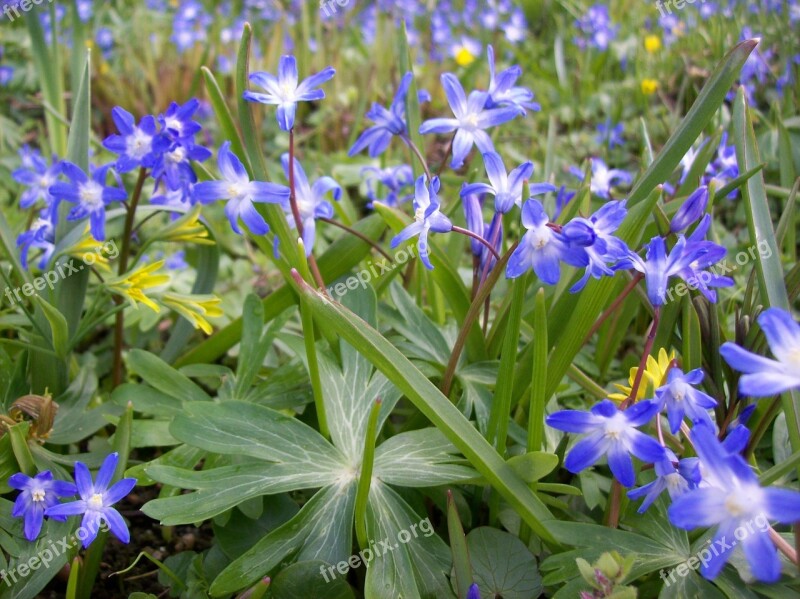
(462, 144)
(782, 505)
(762, 556)
(586, 453)
(455, 94)
(32, 522)
(699, 507)
(621, 465)
(106, 473)
(782, 333)
(116, 524)
(573, 421)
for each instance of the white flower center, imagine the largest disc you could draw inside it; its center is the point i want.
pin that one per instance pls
(38, 495)
(541, 237)
(471, 120)
(615, 426)
(91, 194)
(794, 358)
(237, 190)
(177, 155)
(744, 501)
(419, 214)
(95, 501)
(678, 391)
(305, 206)
(139, 144)
(174, 124)
(287, 91)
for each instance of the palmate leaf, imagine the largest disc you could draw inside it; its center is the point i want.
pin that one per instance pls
(414, 569)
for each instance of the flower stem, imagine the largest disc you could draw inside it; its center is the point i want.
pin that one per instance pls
(419, 156)
(119, 324)
(446, 156)
(361, 236)
(612, 308)
(648, 347)
(477, 237)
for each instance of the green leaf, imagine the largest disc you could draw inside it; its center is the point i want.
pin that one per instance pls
(161, 376)
(58, 327)
(458, 546)
(533, 466)
(702, 111)
(421, 458)
(435, 406)
(229, 131)
(502, 565)
(303, 581)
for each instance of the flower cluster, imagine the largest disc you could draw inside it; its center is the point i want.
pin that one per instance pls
(718, 487)
(39, 498)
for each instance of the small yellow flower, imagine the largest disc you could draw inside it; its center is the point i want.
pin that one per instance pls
(464, 57)
(195, 308)
(187, 229)
(133, 284)
(649, 86)
(652, 43)
(654, 377)
(91, 252)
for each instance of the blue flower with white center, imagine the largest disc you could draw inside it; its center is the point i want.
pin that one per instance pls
(38, 178)
(240, 193)
(41, 235)
(388, 123)
(137, 145)
(596, 235)
(37, 494)
(96, 499)
(690, 211)
(659, 267)
(284, 91)
(90, 196)
(174, 165)
(506, 187)
(731, 498)
(610, 432)
(763, 376)
(503, 92)
(427, 217)
(312, 202)
(674, 480)
(603, 178)
(542, 248)
(610, 134)
(680, 398)
(471, 120)
(177, 121)
(706, 253)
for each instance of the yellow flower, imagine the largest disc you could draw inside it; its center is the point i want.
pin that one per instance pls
(464, 57)
(187, 229)
(654, 377)
(652, 43)
(92, 252)
(133, 284)
(195, 308)
(649, 86)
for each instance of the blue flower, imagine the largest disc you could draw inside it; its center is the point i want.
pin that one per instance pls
(610, 134)
(96, 500)
(240, 192)
(471, 120)
(137, 145)
(104, 38)
(603, 178)
(6, 74)
(506, 187)
(284, 91)
(542, 248)
(427, 217)
(41, 235)
(473, 592)
(680, 398)
(707, 253)
(764, 377)
(177, 121)
(311, 201)
(596, 28)
(388, 123)
(396, 179)
(731, 499)
(659, 267)
(503, 92)
(690, 211)
(91, 196)
(38, 494)
(595, 235)
(610, 432)
(676, 481)
(38, 178)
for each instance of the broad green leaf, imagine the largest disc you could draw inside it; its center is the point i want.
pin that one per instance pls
(240, 428)
(502, 565)
(303, 581)
(322, 530)
(161, 376)
(533, 466)
(421, 458)
(58, 327)
(436, 407)
(239, 533)
(220, 489)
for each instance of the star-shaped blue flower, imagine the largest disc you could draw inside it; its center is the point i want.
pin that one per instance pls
(137, 145)
(388, 123)
(427, 217)
(37, 494)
